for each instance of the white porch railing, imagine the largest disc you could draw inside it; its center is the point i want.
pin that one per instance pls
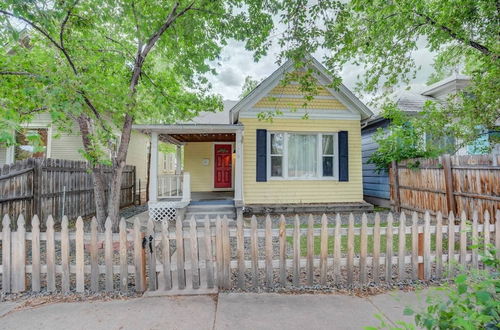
(170, 185)
(177, 188)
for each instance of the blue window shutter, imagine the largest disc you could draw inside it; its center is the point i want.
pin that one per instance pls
(261, 155)
(343, 156)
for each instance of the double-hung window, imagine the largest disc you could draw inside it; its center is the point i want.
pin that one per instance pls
(302, 156)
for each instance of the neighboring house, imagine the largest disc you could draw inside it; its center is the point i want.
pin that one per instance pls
(376, 184)
(67, 146)
(287, 164)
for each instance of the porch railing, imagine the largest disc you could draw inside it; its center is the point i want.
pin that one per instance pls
(170, 185)
(174, 186)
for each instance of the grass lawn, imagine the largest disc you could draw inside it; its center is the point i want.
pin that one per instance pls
(357, 242)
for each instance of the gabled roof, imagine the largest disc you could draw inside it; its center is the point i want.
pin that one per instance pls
(410, 101)
(208, 117)
(456, 81)
(342, 93)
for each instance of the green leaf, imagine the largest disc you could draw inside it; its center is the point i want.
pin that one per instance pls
(408, 311)
(483, 296)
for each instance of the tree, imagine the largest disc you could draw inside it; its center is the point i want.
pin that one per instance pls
(381, 36)
(105, 64)
(248, 86)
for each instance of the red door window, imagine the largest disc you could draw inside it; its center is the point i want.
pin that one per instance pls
(223, 166)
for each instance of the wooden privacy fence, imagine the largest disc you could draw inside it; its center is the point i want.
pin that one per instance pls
(52, 186)
(203, 257)
(447, 184)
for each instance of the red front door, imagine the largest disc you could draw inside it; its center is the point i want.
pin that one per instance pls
(222, 166)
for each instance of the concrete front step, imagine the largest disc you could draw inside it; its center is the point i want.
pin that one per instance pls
(200, 222)
(211, 215)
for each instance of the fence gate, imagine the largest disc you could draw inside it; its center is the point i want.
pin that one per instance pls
(191, 258)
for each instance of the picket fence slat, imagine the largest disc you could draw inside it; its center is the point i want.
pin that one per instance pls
(65, 255)
(108, 255)
(80, 261)
(254, 252)
(350, 249)
(475, 239)
(226, 253)
(123, 255)
(296, 251)
(451, 243)
(376, 248)
(282, 243)
(51, 256)
(94, 273)
(179, 244)
(439, 244)
(167, 274)
(209, 254)
(497, 234)
(269, 251)
(240, 251)
(192, 248)
(324, 249)
(402, 246)
(195, 271)
(6, 254)
(427, 246)
(388, 249)
(310, 250)
(35, 254)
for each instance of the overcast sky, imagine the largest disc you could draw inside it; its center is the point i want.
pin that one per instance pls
(237, 63)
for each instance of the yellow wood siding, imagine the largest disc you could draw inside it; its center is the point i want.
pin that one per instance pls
(295, 90)
(303, 191)
(298, 103)
(137, 156)
(201, 175)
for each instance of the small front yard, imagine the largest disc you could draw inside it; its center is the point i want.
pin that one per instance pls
(357, 241)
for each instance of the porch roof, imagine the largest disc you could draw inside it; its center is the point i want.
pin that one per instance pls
(189, 128)
(182, 133)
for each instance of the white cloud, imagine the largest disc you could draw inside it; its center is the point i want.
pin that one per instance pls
(237, 63)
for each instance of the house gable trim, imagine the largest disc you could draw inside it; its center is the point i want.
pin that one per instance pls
(343, 94)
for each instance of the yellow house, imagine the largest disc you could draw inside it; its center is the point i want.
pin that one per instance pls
(236, 161)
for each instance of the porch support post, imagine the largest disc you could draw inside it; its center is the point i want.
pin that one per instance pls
(238, 175)
(178, 160)
(153, 170)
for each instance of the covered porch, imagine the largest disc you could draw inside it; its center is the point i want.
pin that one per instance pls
(209, 167)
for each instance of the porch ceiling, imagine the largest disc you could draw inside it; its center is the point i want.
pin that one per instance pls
(205, 137)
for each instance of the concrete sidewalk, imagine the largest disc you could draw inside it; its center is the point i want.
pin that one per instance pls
(225, 311)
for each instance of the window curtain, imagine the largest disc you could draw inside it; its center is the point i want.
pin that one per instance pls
(302, 155)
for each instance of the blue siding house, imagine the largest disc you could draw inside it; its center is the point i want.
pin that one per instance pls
(375, 184)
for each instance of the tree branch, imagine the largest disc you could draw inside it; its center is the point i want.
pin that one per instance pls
(17, 73)
(28, 112)
(474, 44)
(63, 24)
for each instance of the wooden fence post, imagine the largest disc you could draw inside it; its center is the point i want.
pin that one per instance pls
(37, 188)
(395, 178)
(421, 254)
(35, 254)
(51, 255)
(65, 255)
(80, 256)
(6, 255)
(448, 182)
(20, 255)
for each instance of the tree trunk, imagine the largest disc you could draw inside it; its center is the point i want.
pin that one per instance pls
(116, 178)
(99, 196)
(114, 197)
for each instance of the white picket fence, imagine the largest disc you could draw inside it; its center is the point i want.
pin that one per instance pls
(244, 256)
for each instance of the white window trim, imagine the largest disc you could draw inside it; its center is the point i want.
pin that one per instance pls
(319, 147)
